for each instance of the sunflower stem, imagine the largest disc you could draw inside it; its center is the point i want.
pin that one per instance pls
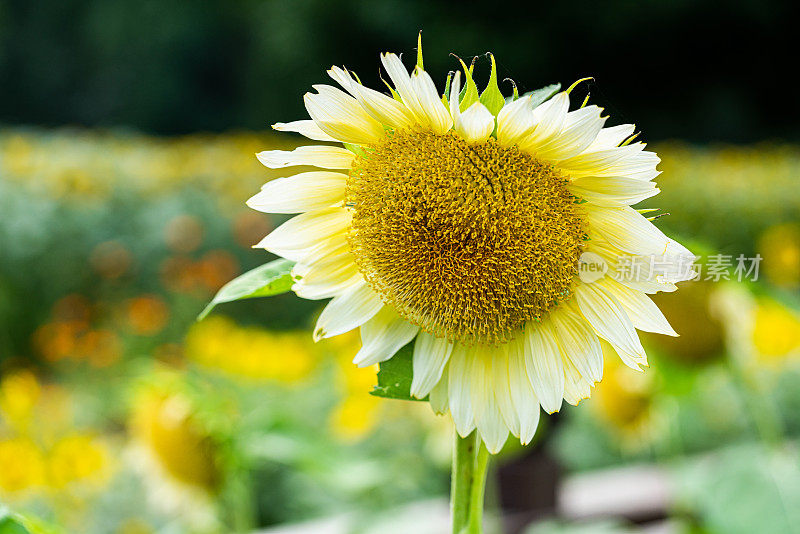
(470, 463)
(461, 480)
(477, 490)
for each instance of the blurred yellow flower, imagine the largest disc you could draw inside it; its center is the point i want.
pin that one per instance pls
(357, 413)
(19, 393)
(760, 331)
(249, 351)
(135, 525)
(779, 245)
(776, 332)
(164, 425)
(178, 459)
(78, 458)
(40, 448)
(702, 337)
(17, 155)
(355, 416)
(86, 166)
(23, 465)
(624, 398)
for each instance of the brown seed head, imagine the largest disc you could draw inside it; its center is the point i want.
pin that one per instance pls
(467, 241)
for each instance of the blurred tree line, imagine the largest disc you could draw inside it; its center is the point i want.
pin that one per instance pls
(697, 70)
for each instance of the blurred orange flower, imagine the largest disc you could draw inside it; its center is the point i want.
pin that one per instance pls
(216, 268)
(249, 227)
(99, 347)
(73, 307)
(184, 233)
(147, 314)
(59, 340)
(212, 271)
(111, 259)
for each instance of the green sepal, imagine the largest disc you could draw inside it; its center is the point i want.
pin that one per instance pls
(515, 91)
(630, 139)
(491, 97)
(395, 374)
(355, 149)
(270, 279)
(394, 93)
(577, 83)
(446, 95)
(540, 96)
(419, 51)
(469, 95)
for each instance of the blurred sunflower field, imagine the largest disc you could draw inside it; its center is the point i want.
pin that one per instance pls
(121, 413)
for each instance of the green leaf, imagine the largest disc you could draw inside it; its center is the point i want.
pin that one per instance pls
(272, 278)
(492, 98)
(394, 376)
(742, 489)
(470, 92)
(10, 523)
(541, 95)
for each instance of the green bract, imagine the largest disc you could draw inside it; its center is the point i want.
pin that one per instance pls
(491, 97)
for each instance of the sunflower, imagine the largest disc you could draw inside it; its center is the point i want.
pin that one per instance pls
(458, 222)
(177, 457)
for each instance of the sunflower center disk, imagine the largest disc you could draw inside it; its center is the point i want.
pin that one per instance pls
(467, 241)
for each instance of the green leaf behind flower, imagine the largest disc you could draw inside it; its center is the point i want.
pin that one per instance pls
(272, 278)
(9, 525)
(13, 523)
(394, 376)
(539, 96)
